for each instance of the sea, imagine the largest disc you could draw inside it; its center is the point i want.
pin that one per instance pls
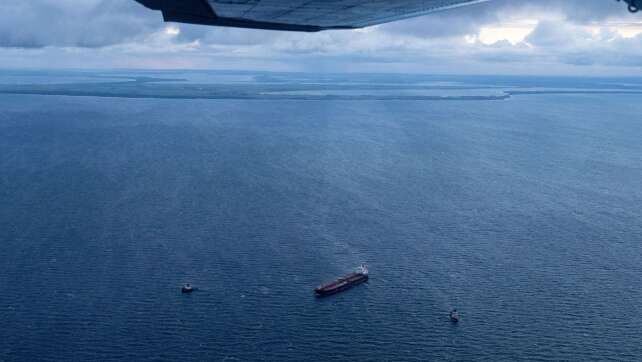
(515, 200)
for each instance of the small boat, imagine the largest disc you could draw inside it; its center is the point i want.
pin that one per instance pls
(454, 316)
(187, 288)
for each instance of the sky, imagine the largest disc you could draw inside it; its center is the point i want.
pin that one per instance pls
(534, 37)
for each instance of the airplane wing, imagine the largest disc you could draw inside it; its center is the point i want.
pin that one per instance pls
(297, 15)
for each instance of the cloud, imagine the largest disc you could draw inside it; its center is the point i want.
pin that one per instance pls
(499, 36)
(72, 23)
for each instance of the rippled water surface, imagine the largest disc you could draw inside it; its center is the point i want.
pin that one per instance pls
(522, 213)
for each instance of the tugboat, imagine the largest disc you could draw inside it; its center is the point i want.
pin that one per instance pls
(454, 316)
(343, 283)
(187, 288)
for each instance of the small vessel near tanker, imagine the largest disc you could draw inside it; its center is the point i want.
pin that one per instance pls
(344, 283)
(454, 316)
(187, 288)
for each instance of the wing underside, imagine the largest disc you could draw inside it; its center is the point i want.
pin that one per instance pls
(297, 15)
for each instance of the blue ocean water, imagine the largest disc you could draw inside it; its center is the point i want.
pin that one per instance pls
(523, 213)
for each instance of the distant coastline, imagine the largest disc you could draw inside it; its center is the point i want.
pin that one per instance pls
(260, 86)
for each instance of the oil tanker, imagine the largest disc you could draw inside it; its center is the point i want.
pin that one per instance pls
(343, 283)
